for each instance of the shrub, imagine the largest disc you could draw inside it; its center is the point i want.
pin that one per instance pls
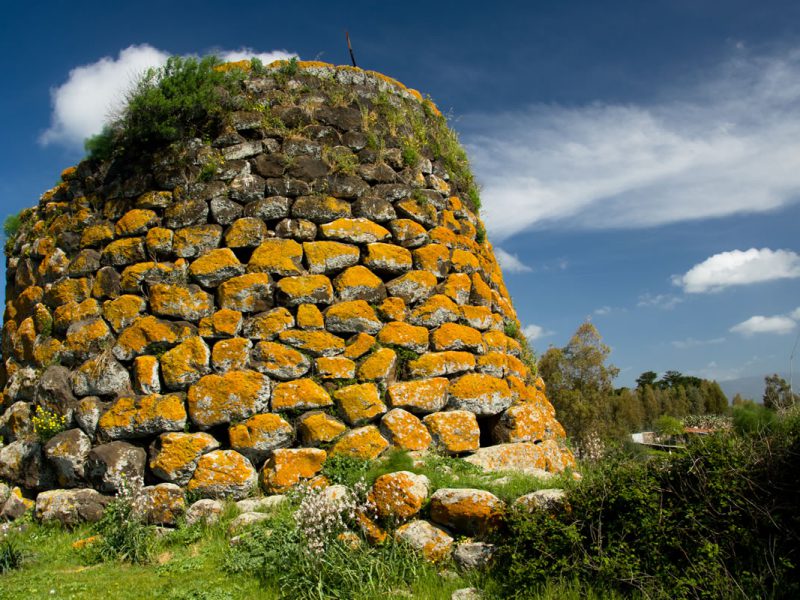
(12, 225)
(11, 555)
(47, 423)
(345, 470)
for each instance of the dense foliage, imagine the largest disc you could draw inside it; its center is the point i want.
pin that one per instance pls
(718, 520)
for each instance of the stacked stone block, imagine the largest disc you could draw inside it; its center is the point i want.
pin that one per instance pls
(231, 312)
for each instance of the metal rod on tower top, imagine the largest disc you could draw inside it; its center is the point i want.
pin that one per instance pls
(350, 48)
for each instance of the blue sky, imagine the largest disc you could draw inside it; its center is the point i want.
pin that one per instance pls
(640, 161)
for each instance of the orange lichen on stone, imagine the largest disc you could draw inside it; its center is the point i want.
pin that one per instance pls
(480, 393)
(411, 337)
(452, 336)
(365, 442)
(288, 467)
(246, 232)
(379, 366)
(479, 317)
(278, 257)
(300, 394)
(84, 337)
(97, 235)
(225, 322)
(141, 416)
(405, 430)
(154, 199)
(423, 396)
(268, 325)
(434, 364)
(174, 456)
(231, 354)
(329, 257)
(433, 543)
(335, 367)
(316, 343)
(399, 495)
(454, 431)
(358, 346)
(392, 309)
(492, 363)
(301, 289)
(434, 258)
(422, 213)
(408, 233)
(469, 511)
(354, 230)
(279, 361)
(352, 316)
(434, 311)
(317, 427)
(135, 276)
(220, 399)
(124, 252)
(251, 292)
(387, 258)
(309, 317)
(136, 222)
(442, 235)
(178, 301)
(213, 267)
(359, 403)
(194, 240)
(159, 240)
(145, 375)
(450, 221)
(526, 423)
(223, 473)
(67, 290)
(370, 529)
(123, 311)
(413, 286)
(72, 312)
(146, 331)
(496, 341)
(481, 294)
(359, 282)
(259, 435)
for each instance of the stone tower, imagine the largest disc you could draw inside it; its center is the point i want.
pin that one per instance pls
(312, 280)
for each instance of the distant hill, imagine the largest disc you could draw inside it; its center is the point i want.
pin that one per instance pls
(749, 387)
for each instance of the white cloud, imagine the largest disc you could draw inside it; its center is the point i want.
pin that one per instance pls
(728, 145)
(796, 314)
(663, 301)
(510, 263)
(780, 325)
(690, 342)
(535, 332)
(94, 92)
(739, 267)
(603, 310)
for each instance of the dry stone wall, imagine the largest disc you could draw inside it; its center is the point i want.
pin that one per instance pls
(231, 312)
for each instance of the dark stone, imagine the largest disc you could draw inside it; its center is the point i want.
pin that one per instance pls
(319, 210)
(67, 452)
(374, 209)
(85, 263)
(21, 463)
(298, 229)
(287, 187)
(355, 140)
(183, 214)
(391, 191)
(55, 391)
(377, 173)
(346, 186)
(274, 207)
(111, 466)
(71, 507)
(302, 147)
(292, 116)
(107, 283)
(327, 136)
(244, 120)
(247, 187)
(225, 211)
(341, 117)
(307, 168)
(269, 165)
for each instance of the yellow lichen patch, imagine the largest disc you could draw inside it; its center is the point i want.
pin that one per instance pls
(179, 301)
(450, 221)
(134, 276)
(379, 366)
(97, 235)
(68, 173)
(433, 543)
(317, 427)
(223, 474)
(454, 431)
(515, 366)
(365, 442)
(434, 364)
(479, 317)
(358, 346)
(422, 396)
(175, 455)
(278, 257)
(316, 343)
(408, 233)
(72, 312)
(470, 511)
(467, 230)
(442, 235)
(356, 231)
(464, 262)
(185, 363)
(245, 233)
(266, 326)
(25, 340)
(123, 311)
(159, 240)
(413, 286)
(288, 467)
(240, 65)
(231, 354)
(259, 435)
(387, 258)
(145, 375)
(398, 333)
(219, 399)
(136, 222)
(142, 416)
(279, 361)
(124, 252)
(398, 495)
(527, 423)
(335, 367)
(251, 292)
(422, 213)
(67, 290)
(452, 336)
(301, 289)
(392, 309)
(29, 298)
(359, 282)
(493, 363)
(300, 394)
(309, 317)
(359, 403)
(47, 352)
(226, 322)
(370, 529)
(454, 203)
(433, 258)
(154, 199)
(212, 268)
(434, 311)
(86, 337)
(191, 241)
(405, 431)
(146, 331)
(352, 316)
(328, 257)
(481, 294)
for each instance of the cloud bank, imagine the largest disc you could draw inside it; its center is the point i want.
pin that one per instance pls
(726, 146)
(510, 263)
(739, 267)
(535, 332)
(93, 93)
(780, 325)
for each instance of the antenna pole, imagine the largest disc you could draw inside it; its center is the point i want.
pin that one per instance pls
(350, 48)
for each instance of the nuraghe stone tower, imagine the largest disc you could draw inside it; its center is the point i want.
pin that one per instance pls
(313, 280)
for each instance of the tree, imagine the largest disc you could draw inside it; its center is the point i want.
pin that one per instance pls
(650, 405)
(777, 394)
(646, 378)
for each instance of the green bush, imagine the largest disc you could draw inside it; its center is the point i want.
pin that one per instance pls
(123, 536)
(718, 520)
(752, 418)
(11, 555)
(12, 225)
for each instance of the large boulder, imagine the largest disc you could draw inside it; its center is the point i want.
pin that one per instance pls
(71, 507)
(113, 467)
